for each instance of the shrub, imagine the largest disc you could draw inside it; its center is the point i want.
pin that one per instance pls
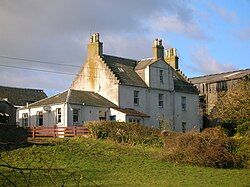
(244, 128)
(209, 148)
(122, 132)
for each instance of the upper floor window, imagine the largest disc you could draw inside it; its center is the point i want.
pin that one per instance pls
(75, 115)
(25, 119)
(136, 97)
(221, 86)
(39, 118)
(160, 100)
(161, 75)
(58, 115)
(183, 103)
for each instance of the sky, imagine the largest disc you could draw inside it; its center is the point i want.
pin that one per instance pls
(210, 36)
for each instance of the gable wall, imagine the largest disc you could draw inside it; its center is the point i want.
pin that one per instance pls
(154, 76)
(97, 77)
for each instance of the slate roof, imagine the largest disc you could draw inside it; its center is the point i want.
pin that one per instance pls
(142, 64)
(183, 86)
(123, 69)
(220, 76)
(75, 97)
(131, 112)
(20, 96)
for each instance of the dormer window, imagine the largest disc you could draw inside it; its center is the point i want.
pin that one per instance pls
(161, 75)
(120, 69)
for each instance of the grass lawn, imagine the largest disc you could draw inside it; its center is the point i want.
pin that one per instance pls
(90, 162)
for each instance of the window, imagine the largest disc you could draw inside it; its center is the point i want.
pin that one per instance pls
(58, 115)
(25, 119)
(39, 120)
(160, 99)
(161, 75)
(183, 125)
(102, 115)
(120, 69)
(132, 120)
(183, 103)
(112, 118)
(75, 115)
(136, 97)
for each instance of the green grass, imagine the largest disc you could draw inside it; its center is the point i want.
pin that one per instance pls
(90, 162)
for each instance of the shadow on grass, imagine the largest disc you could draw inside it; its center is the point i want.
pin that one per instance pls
(31, 142)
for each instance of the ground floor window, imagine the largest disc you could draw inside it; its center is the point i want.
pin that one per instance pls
(25, 119)
(58, 115)
(102, 115)
(184, 124)
(75, 115)
(39, 120)
(112, 118)
(133, 120)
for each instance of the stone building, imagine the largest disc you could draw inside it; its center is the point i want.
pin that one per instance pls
(151, 91)
(212, 86)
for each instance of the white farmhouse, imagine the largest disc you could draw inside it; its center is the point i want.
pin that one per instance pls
(151, 91)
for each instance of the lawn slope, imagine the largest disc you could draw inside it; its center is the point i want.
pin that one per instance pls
(90, 162)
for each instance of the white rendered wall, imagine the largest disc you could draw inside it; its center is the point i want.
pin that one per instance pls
(191, 116)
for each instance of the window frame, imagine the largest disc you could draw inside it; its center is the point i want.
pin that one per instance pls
(25, 120)
(161, 75)
(39, 118)
(160, 100)
(75, 115)
(183, 103)
(184, 127)
(58, 115)
(134, 120)
(136, 98)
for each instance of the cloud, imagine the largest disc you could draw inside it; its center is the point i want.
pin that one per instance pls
(173, 23)
(58, 31)
(226, 15)
(244, 34)
(203, 62)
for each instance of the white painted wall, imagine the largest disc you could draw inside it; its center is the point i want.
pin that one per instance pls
(191, 116)
(154, 76)
(49, 117)
(121, 117)
(95, 76)
(86, 113)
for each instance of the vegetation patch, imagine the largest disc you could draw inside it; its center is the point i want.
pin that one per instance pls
(210, 148)
(130, 133)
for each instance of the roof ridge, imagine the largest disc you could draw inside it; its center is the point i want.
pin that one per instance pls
(47, 98)
(120, 57)
(21, 88)
(221, 73)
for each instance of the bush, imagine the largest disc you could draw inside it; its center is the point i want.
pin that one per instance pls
(244, 128)
(210, 148)
(122, 132)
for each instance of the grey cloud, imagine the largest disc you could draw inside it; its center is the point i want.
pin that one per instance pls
(203, 62)
(58, 31)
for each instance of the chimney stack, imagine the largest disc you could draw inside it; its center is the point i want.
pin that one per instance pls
(172, 59)
(158, 49)
(95, 46)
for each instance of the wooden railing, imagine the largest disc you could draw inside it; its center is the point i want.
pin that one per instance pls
(57, 132)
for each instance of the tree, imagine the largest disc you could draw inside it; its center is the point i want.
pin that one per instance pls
(233, 107)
